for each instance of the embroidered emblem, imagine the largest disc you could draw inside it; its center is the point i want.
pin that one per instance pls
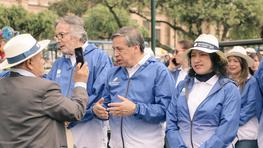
(58, 73)
(114, 82)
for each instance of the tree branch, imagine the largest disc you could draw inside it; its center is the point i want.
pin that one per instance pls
(113, 13)
(165, 22)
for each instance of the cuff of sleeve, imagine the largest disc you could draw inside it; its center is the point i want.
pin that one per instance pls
(80, 84)
(137, 110)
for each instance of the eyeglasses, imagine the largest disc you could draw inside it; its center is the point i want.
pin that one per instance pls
(61, 35)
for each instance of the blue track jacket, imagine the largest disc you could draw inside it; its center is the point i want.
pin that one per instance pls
(175, 74)
(215, 121)
(250, 95)
(259, 76)
(99, 63)
(4, 73)
(151, 89)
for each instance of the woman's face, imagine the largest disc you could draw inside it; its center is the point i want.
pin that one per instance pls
(254, 67)
(234, 66)
(201, 62)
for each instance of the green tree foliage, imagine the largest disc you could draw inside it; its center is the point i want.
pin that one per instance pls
(102, 17)
(40, 25)
(16, 17)
(100, 23)
(77, 7)
(228, 17)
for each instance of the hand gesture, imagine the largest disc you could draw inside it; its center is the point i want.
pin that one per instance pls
(124, 108)
(99, 110)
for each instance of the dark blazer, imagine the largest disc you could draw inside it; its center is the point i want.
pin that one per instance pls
(33, 112)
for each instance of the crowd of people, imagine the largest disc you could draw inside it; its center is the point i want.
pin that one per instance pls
(202, 97)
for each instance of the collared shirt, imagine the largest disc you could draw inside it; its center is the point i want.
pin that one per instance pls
(133, 69)
(183, 72)
(199, 92)
(24, 72)
(73, 58)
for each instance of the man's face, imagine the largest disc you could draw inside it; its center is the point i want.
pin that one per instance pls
(67, 42)
(37, 65)
(180, 54)
(123, 54)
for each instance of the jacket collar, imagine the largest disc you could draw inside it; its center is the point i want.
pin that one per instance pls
(218, 85)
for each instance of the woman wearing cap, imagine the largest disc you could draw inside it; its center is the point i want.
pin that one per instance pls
(252, 53)
(205, 112)
(238, 63)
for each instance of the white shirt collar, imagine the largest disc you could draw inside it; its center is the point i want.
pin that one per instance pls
(183, 69)
(23, 72)
(134, 68)
(86, 44)
(142, 61)
(211, 81)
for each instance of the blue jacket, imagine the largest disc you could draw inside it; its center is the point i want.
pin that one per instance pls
(98, 63)
(259, 77)
(4, 73)
(175, 74)
(215, 121)
(250, 95)
(151, 89)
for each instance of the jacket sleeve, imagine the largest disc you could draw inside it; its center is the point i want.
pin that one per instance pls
(229, 122)
(52, 73)
(248, 109)
(164, 88)
(60, 108)
(260, 131)
(100, 73)
(259, 77)
(173, 136)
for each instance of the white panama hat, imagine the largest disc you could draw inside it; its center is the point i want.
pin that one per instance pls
(208, 44)
(250, 50)
(240, 52)
(21, 48)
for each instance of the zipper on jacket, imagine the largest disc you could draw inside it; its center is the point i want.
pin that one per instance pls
(70, 81)
(191, 133)
(191, 121)
(122, 138)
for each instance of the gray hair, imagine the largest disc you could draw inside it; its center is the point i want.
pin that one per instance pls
(132, 36)
(76, 26)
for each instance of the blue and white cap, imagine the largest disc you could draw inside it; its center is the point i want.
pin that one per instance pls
(21, 48)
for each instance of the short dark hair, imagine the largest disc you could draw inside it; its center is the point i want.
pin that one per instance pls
(132, 36)
(218, 64)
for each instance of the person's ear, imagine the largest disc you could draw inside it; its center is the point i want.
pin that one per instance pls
(137, 47)
(29, 64)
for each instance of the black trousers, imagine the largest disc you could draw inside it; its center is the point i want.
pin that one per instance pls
(246, 144)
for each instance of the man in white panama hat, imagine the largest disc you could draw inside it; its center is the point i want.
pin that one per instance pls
(33, 110)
